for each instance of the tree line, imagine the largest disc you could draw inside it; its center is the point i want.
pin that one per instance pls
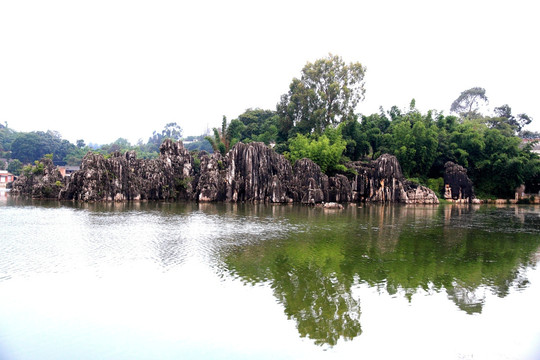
(317, 118)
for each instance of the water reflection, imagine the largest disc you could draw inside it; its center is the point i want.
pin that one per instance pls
(313, 260)
(465, 251)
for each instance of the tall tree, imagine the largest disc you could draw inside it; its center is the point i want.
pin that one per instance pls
(504, 114)
(326, 94)
(170, 131)
(227, 137)
(468, 102)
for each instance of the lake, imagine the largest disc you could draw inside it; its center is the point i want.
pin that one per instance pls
(225, 281)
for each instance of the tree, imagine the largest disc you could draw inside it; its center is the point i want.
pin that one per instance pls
(225, 138)
(80, 143)
(325, 150)
(468, 102)
(356, 140)
(27, 147)
(260, 125)
(504, 114)
(326, 94)
(14, 167)
(170, 131)
(527, 134)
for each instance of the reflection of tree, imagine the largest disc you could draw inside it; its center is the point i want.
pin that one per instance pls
(466, 252)
(308, 282)
(323, 307)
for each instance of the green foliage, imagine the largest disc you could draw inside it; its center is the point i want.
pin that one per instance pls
(413, 139)
(527, 134)
(325, 150)
(468, 102)
(326, 94)
(227, 137)
(39, 168)
(170, 131)
(357, 144)
(506, 121)
(196, 161)
(2, 165)
(183, 183)
(27, 170)
(28, 147)
(7, 136)
(437, 185)
(259, 125)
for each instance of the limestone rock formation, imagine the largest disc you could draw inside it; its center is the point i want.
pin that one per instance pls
(124, 177)
(257, 173)
(332, 206)
(248, 173)
(309, 185)
(44, 181)
(211, 184)
(383, 181)
(457, 185)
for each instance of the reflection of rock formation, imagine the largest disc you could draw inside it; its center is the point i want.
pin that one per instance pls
(469, 300)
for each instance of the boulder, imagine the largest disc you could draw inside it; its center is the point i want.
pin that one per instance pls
(309, 185)
(457, 185)
(44, 181)
(382, 181)
(332, 206)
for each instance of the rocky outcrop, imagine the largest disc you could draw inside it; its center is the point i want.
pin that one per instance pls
(309, 185)
(124, 177)
(383, 181)
(43, 181)
(257, 173)
(211, 184)
(457, 185)
(248, 173)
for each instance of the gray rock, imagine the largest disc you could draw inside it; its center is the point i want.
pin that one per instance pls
(382, 181)
(248, 173)
(44, 183)
(458, 187)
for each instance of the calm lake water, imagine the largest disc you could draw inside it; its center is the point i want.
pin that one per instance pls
(223, 281)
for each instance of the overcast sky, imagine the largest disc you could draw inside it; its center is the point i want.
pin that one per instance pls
(100, 70)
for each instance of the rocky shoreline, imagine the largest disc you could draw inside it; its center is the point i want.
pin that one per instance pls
(248, 173)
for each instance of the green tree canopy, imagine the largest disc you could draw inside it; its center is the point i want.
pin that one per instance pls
(468, 102)
(29, 147)
(326, 94)
(325, 150)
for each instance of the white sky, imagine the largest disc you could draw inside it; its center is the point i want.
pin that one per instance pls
(100, 70)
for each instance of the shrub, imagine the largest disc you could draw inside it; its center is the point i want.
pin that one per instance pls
(437, 185)
(324, 152)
